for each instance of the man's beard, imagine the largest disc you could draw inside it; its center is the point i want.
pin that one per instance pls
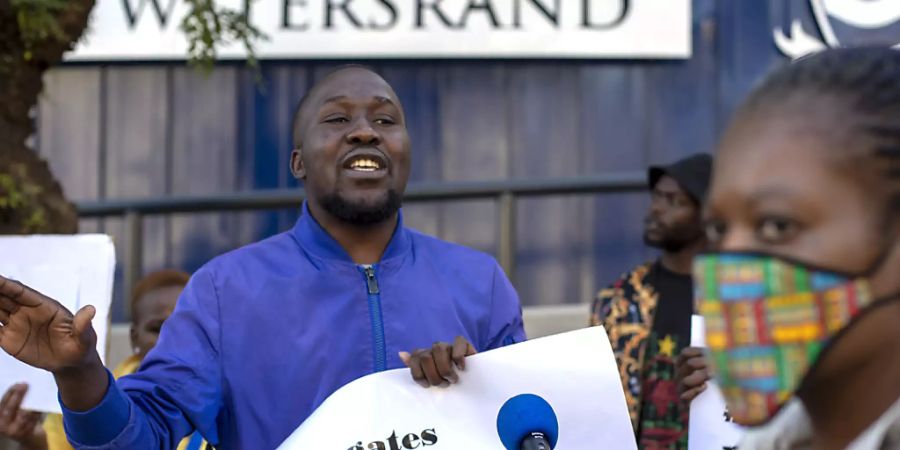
(674, 240)
(359, 213)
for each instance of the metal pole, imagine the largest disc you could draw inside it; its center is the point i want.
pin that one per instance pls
(291, 198)
(507, 230)
(134, 255)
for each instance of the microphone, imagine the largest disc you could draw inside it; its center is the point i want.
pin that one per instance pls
(527, 422)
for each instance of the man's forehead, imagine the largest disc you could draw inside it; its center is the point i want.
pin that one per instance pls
(668, 183)
(353, 83)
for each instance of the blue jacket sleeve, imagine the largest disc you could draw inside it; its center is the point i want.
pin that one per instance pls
(178, 388)
(506, 313)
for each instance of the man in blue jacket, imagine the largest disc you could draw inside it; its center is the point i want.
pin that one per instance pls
(262, 335)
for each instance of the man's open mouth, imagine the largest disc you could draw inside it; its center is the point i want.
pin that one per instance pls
(365, 164)
(366, 161)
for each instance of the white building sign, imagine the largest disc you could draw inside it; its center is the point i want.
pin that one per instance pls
(149, 29)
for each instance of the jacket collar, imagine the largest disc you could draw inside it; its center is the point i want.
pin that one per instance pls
(316, 241)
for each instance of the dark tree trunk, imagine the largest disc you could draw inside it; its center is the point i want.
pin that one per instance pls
(31, 200)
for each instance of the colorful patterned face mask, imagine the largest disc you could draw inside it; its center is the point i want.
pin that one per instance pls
(767, 321)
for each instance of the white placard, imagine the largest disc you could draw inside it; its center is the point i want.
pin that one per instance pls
(149, 29)
(575, 372)
(709, 429)
(74, 270)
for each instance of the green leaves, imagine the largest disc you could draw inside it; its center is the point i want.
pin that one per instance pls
(208, 26)
(20, 199)
(38, 22)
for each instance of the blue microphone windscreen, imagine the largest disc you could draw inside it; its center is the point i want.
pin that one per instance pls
(522, 415)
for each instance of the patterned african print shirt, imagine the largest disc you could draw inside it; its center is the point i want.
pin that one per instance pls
(645, 349)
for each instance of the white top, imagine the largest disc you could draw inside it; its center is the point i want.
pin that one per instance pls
(791, 429)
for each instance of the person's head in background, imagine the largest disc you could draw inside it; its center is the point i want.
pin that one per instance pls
(152, 302)
(674, 222)
(808, 172)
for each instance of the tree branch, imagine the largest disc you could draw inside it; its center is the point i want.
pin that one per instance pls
(208, 26)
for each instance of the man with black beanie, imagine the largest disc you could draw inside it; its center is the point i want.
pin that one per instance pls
(647, 312)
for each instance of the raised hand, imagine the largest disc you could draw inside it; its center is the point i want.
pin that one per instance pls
(40, 332)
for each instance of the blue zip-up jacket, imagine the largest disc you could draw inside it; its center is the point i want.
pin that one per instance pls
(262, 335)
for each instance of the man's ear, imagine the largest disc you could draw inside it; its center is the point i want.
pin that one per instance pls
(297, 167)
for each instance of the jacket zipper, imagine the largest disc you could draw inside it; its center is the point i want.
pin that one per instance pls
(378, 345)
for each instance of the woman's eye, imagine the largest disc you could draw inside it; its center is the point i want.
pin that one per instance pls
(715, 230)
(336, 119)
(776, 229)
(384, 121)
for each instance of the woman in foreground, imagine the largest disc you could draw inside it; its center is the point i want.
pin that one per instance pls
(802, 293)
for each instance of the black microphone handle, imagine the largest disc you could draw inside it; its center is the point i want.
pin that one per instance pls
(535, 441)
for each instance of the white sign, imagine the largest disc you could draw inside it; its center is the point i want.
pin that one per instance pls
(74, 270)
(574, 372)
(149, 29)
(710, 426)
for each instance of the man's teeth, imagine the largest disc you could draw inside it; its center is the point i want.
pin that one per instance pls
(365, 165)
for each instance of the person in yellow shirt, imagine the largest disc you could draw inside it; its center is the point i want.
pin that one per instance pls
(152, 302)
